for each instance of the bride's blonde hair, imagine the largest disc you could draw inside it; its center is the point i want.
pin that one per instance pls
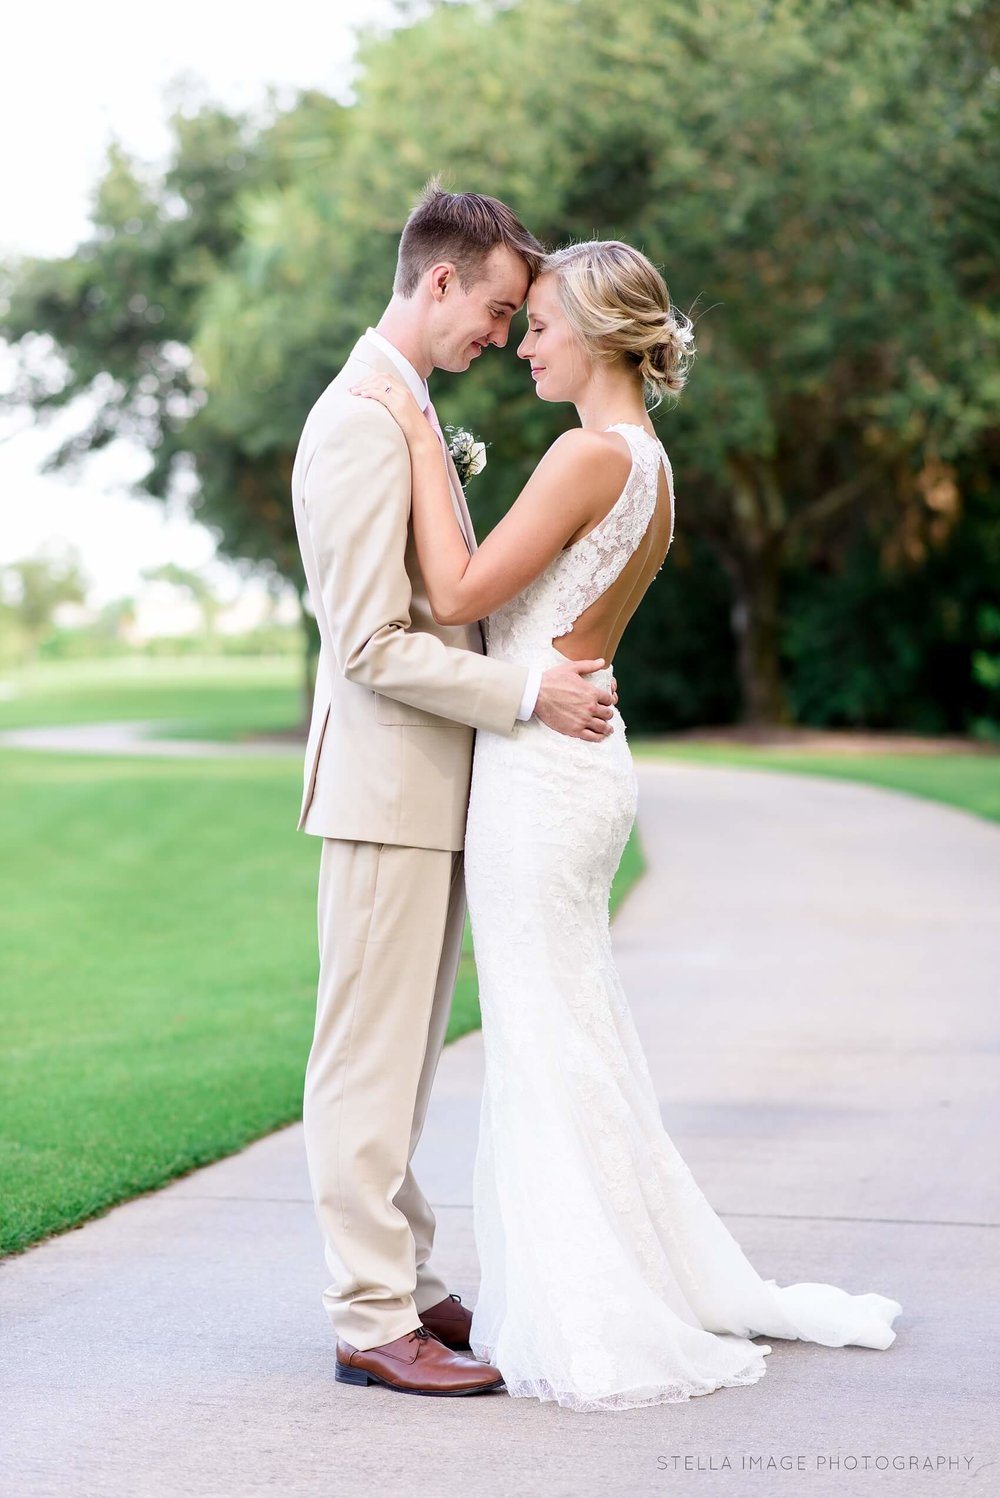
(618, 305)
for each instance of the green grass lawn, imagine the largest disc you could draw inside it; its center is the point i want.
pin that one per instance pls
(157, 924)
(157, 929)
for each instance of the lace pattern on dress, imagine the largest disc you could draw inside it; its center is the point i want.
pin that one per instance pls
(591, 565)
(523, 628)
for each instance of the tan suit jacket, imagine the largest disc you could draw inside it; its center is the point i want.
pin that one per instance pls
(398, 697)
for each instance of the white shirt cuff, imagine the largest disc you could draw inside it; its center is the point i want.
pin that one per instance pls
(531, 689)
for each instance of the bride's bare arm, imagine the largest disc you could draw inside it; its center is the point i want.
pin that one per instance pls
(570, 485)
(570, 488)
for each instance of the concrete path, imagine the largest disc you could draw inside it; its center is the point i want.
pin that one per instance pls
(813, 969)
(135, 737)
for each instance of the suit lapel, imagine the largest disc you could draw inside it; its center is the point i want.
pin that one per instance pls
(370, 354)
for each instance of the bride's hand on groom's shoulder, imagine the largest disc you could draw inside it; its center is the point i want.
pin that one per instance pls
(393, 393)
(569, 704)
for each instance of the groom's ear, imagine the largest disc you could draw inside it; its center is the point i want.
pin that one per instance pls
(441, 277)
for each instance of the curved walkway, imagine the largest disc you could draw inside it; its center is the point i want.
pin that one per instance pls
(813, 969)
(135, 737)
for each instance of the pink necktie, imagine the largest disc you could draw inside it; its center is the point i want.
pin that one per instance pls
(432, 417)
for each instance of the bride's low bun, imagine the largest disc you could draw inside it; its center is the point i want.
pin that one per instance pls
(618, 305)
(663, 364)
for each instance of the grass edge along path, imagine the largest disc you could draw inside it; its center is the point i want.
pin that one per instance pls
(968, 782)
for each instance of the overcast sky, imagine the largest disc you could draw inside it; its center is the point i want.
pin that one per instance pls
(76, 75)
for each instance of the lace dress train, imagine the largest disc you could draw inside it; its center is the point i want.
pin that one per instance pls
(608, 1282)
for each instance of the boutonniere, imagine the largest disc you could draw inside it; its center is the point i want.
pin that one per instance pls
(468, 455)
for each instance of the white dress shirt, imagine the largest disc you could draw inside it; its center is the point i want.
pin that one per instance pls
(421, 394)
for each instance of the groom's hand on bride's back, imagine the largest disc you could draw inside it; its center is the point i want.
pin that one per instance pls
(571, 705)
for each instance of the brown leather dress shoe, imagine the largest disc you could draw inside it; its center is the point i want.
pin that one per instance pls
(416, 1363)
(450, 1321)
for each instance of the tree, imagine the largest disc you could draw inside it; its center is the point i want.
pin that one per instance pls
(196, 585)
(113, 327)
(815, 174)
(32, 590)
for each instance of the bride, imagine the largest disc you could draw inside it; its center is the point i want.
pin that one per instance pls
(608, 1281)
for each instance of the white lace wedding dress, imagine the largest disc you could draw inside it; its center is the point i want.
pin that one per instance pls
(608, 1281)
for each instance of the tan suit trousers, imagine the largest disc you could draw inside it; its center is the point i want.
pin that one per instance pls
(390, 921)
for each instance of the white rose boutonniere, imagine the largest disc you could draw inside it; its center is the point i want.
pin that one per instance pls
(468, 454)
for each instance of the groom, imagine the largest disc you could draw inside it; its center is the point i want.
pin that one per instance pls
(387, 773)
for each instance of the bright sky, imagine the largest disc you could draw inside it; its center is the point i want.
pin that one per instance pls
(76, 75)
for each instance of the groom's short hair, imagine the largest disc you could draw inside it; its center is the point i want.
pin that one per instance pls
(462, 227)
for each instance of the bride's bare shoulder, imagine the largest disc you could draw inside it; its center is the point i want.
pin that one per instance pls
(595, 460)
